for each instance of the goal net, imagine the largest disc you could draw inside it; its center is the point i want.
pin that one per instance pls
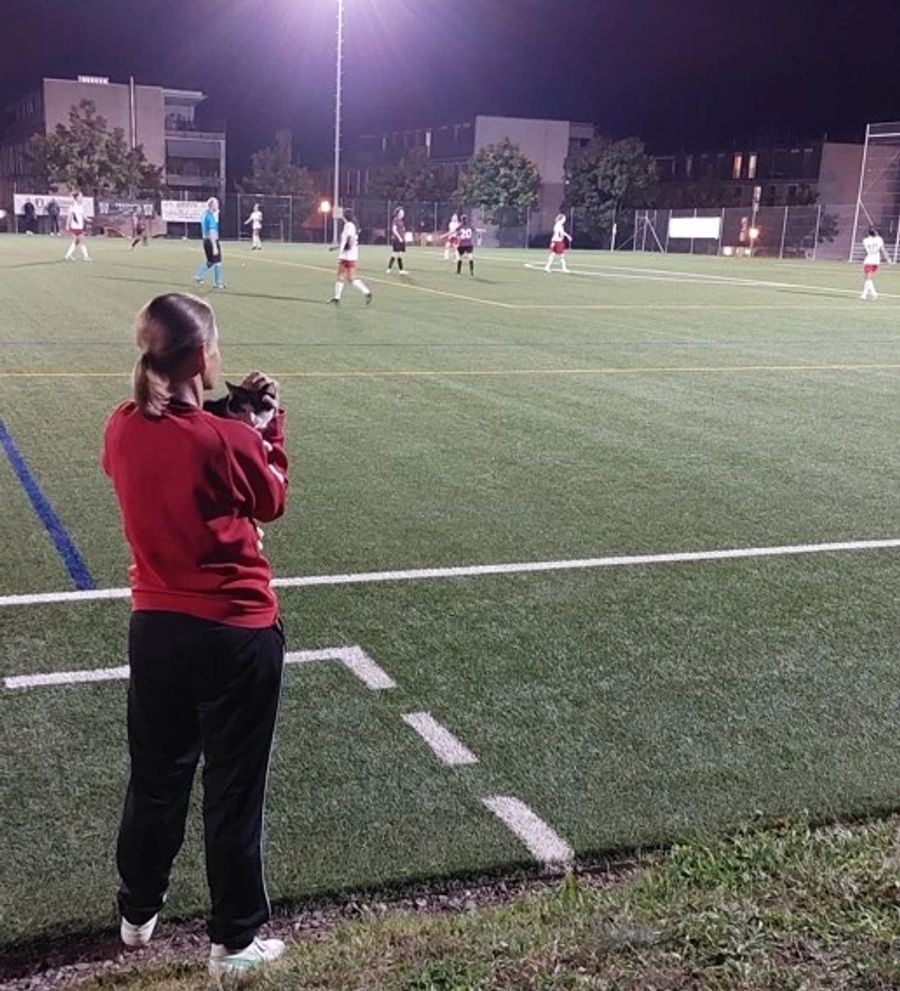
(277, 216)
(878, 202)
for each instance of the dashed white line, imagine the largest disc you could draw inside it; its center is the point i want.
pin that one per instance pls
(542, 842)
(447, 748)
(514, 568)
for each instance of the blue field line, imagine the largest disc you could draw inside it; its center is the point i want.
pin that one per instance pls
(62, 541)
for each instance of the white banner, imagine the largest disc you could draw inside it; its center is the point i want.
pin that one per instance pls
(183, 211)
(41, 200)
(695, 227)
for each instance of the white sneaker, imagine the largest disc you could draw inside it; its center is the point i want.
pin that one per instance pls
(404, 271)
(137, 936)
(252, 957)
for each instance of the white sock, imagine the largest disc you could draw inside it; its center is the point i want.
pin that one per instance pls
(549, 264)
(564, 266)
(71, 250)
(361, 286)
(338, 289)
(84, 253)
(869, 288)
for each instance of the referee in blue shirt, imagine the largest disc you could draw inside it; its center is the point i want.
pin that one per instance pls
(209, 228)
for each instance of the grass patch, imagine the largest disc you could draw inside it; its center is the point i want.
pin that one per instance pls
(785, 907)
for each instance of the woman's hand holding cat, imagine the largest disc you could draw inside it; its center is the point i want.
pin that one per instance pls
(265, 385)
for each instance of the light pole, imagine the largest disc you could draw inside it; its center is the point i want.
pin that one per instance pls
(325, 209)
(339, 67)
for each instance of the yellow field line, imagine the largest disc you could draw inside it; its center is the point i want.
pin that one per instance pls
(398, 285)
(503, 372)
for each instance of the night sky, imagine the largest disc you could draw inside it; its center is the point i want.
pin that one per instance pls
(679, 73)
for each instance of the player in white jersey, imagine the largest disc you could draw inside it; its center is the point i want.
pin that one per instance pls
(255, 222)
(348, 257)
(451, 238)
(75, 225)
(874, 248)
(560, 240)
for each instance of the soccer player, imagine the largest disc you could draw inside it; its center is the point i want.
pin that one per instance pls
(451, 237)
(255, 221)
(558, 243)
(209, 227)
(75, 224)
(398, 241)
(874, 248)
(465, 247)
(348, 257)
(205, 644)
(138, 230)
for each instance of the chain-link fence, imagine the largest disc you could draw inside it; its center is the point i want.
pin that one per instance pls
(810, 232)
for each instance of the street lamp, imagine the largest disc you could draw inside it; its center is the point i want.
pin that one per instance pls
(753, 233)
(324, 209)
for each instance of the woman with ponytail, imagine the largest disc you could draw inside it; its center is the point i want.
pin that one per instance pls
(206, 648)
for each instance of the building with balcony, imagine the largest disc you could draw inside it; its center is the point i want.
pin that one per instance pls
(161, 120)
(775, 175)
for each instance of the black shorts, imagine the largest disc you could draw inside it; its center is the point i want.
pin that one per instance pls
(398, 247)
(466, 249)
(212, 250)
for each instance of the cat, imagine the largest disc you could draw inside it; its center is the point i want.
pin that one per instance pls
(249, 405)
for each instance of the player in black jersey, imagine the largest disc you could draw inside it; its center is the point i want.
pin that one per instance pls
(466, 246)
(398, 241)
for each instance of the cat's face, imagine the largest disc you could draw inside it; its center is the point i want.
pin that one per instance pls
(250, 405)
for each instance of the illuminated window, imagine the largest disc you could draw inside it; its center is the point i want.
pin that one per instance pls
(751, 166)
(737, 163)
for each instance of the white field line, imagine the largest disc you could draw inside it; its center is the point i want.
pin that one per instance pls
(700, 279)
(516, 568)
(542, 842)
(447, 748)
(355, 659)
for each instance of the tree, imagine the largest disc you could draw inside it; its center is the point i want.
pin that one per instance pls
(89, 157)
(273, 172)
(605, 177)
(502, 181)
(414, 177)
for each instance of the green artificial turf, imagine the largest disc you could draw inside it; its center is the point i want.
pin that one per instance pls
(638, 406)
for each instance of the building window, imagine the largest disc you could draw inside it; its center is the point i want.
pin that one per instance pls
(737, 163)
(751, 165)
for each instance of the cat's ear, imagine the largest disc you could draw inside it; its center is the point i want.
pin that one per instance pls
(231, 387)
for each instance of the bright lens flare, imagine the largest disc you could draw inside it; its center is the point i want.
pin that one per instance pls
(324, 207)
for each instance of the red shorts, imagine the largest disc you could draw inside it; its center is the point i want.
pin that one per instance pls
(558, 247)
(76, 233)
(346, 266)
(870, 269)
(453, 242)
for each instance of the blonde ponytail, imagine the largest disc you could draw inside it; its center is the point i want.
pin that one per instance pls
(151, 390)
(168, 330)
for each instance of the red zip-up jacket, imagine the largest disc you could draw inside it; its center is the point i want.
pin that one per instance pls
(191, 487)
